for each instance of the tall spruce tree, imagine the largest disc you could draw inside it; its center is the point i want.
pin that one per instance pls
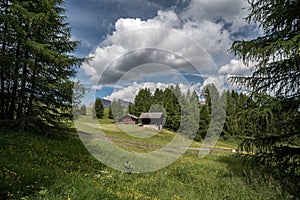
(277, 72)
(98, 110)
(204, 119)
(36, 65)
(83, 110)
(142, 102)
(215, 106)
(173, 110)
(158, 96)
(116, 109)
(189, 104)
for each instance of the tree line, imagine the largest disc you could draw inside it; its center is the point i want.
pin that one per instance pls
(36, 64)
(176, 106)
(182, 111)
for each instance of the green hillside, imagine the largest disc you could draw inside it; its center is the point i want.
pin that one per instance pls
(39, 167)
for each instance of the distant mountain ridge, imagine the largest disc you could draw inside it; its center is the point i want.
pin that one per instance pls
(106, 103)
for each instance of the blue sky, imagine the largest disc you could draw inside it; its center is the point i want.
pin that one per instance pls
(152, 43)
(92, 20)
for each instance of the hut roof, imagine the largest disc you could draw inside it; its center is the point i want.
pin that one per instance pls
(151, 115)
(132, 116)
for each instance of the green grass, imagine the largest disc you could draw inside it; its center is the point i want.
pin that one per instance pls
(135, 133)
(105, 119)
(39, 167)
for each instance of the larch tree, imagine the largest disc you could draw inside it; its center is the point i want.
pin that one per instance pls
(173, 110)
(142, 101)
(116, 109)
(276, 72)
(36, 63)
(98, 110)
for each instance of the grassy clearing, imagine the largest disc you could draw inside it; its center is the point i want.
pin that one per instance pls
(106, 127)
(36, 167)
(144, 136)
(132, 133)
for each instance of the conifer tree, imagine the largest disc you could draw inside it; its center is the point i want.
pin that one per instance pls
(189, 104)
(83, 109)
(204, 119)
(116, 109)
(36, 65)
(142, 102)
(172, 106)
(276, 72)
(98, 109)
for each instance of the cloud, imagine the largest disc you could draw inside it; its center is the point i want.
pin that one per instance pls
(235, 67)
(226, 12)
(164, 39)
(172, 43)
(97, 87)
(129, 93)
(91, 20)
(218, 81)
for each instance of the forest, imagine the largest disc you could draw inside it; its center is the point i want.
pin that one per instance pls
(36, 65)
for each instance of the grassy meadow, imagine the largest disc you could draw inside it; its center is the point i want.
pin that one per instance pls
(35, 167)
(60, 168)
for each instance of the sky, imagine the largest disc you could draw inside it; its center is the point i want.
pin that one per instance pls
(133, 44)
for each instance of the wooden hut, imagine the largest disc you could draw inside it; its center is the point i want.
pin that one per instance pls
(127, 119)
(152, 120)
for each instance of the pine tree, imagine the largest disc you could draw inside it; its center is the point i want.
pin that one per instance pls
(211, 95)
(83, 109)
(277, 72)
(131, 108)
(110, 113)
(189, 104)
(158, 96)
(232, 112)
(204, 119)
(215, 105)
(173, 110)
(116, 109)
(98, 110)
(36, 65)
(142, 102)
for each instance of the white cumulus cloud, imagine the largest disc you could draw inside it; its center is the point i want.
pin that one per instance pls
(235, 67)
(230, 11)
(165, 39)
(218, 81)
(129, 93)
(170, 43)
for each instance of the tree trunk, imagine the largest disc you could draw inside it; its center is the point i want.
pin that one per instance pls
(2, 92)
(22, 94)
(2, 71)
(13, 97)
(32, 90)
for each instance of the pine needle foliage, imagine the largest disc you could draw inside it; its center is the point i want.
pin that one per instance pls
(276, 72)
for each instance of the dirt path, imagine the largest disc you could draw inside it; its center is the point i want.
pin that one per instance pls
(153, 147)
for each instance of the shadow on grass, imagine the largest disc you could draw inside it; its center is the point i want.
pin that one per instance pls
(234, 164)
(257, 175)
